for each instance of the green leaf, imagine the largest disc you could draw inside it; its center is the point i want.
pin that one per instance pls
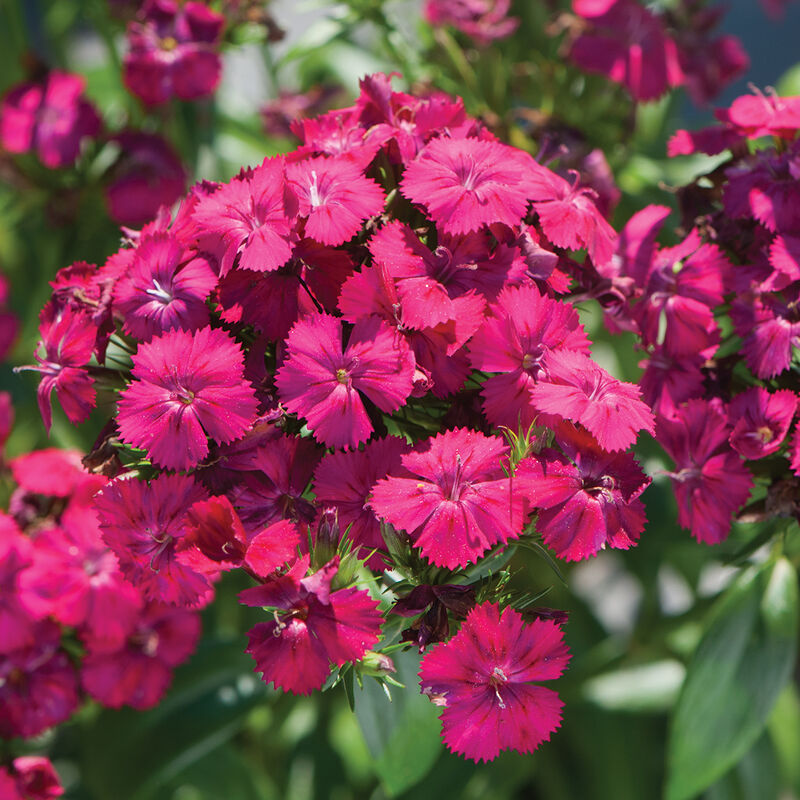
(784, 728)
(211, 696)
(741, 664)
(403, 736)
(643, 688)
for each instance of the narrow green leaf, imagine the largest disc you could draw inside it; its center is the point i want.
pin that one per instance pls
(741, 664)
(403, 736)
(643, 688)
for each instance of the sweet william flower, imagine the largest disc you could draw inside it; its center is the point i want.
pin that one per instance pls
(145, 526)
(51, 117)
(312, 628)
(187, 386)
(458, 503)
(484, 679)
(467, 183)
(323, 384)
(577, 389)
(484, 20)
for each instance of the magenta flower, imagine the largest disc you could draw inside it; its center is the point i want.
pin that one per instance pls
(68, 341)
(458, 503)
(334, 196)
(138, 672)
(248, 217)
(173, 52)
(761, 421)
(627, 43)
(51, 118)
(484, 20)
(165, 288)
(147, 175)
(188, 386)
(587, 498)
(344, 481)
(520, 328)
(17, 614)
(38, 685)
(323, 384)
(484, 679)
(313, 627)
(36, 779)
(710, 480)
(467, 183)
(145, 525)
(575, 388)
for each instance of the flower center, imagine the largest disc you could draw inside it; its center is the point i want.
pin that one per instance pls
(169, 43)
(343, 376)
(313, 191)
(765, 433)
(497, 679)
(159, 292)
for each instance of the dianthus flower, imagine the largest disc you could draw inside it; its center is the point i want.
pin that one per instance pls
(35, 779)
(575, 388)
(334, 197)
(188, 386)
(344, 481)
(587, 498)
(467, 183)
(214, 527)
(138, 672)
(484, 679)
(67, 340)
(520, 328)
(38, 685)
(251, 217)
(458, 503)
(147, 175)
(51, 118)
(761, 421)
(173, 51)
(17, 616)
(145, 525)
(323, 384)
(710, 480)
(484, 20)
(628, 44)
(165, 288)
(313, 627)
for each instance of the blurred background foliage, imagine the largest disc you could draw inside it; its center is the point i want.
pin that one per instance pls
(632, 724)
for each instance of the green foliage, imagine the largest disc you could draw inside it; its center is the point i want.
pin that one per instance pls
(740, 667)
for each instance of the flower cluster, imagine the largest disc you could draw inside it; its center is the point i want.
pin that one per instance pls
(320, 358)
(717, 317)
(63, 591)
(650, 53)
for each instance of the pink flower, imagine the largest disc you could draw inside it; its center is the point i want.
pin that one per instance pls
(147, 175)
(522, 326)
(587, 498)
(627, 43)
(249, 217)
(334, 196)
(467, 183)
(165, 288)
(68, 340)
(173, 52)
(38, 685)
(483, 677)
(458, 503)
(17, 614)
(36, 779)
(51, 118)
(188, 386)
(484, 20)
(139, 672)
(344, 481)
(576, 388)
(761, 421)
(323, 384)
(313, 627)
(710, 480)
(145, 525)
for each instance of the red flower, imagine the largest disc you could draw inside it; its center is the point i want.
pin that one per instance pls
(312, 628)
(483, 677)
